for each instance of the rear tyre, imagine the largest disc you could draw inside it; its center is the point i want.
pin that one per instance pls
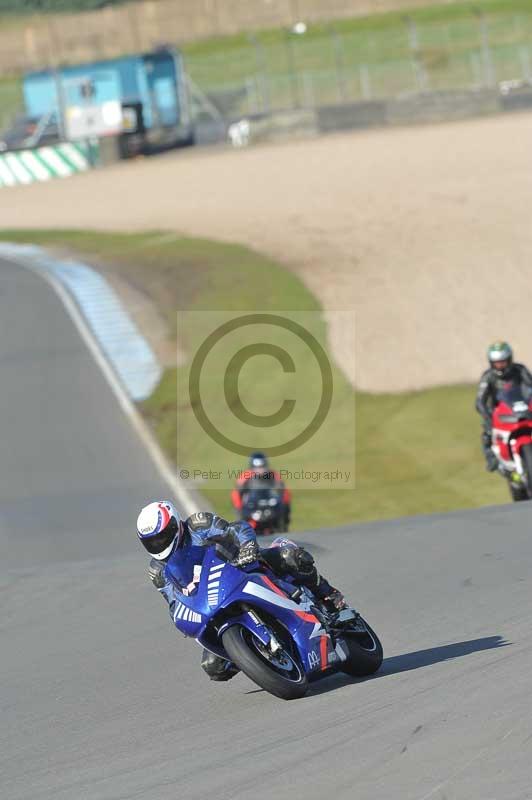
(280, 674)
(526, 456)
(365, 652)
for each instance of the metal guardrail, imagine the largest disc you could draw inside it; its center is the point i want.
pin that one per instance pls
(409, 109)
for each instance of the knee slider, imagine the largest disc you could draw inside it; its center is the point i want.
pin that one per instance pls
(217, 668)
(213, 665)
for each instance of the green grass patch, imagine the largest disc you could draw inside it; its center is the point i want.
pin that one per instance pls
(417, 452)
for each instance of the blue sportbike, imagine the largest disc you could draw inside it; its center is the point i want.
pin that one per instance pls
(277, 633)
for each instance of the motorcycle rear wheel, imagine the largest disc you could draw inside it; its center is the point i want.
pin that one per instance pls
(280, 674)
(365, 652)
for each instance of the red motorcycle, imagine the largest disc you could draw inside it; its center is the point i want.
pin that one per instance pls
(512, 440)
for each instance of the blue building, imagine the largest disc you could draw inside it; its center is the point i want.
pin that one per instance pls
(151, 90)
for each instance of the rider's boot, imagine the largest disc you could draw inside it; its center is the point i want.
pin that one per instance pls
(218, 668)
(299, 564)
(492, 462)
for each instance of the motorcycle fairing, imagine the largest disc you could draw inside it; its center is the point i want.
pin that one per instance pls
(512, 427)
(221, 585)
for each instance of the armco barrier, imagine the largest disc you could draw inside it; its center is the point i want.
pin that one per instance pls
(44, 163)
(411, 109)
(442, 106)
(518, 100)
(349, 116)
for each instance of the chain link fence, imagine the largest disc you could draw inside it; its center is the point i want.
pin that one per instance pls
(307, 71)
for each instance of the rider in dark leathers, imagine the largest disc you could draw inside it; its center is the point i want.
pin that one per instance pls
(259, 469)
(502, 373)
(163, 533)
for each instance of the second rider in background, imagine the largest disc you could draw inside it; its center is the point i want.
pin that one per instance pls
(259, 469)
(502, 374)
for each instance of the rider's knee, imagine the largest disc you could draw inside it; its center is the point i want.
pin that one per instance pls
(216, 667)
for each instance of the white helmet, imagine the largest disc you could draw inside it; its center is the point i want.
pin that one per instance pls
(159, 527)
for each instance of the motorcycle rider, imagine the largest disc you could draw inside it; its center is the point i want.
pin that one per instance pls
(259, 469)
(163, 533)
(502, 373)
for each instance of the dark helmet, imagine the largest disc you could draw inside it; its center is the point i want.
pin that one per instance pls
(500, 357)
(258, 461)
(159, 528)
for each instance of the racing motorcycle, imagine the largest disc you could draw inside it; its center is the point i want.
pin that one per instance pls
(275, 632)
(264, 510)
(512, 440)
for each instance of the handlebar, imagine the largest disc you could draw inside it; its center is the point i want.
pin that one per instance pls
(227, 546)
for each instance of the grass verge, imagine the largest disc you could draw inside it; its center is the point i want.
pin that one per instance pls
(416, 452)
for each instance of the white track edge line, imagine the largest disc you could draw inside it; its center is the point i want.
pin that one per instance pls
(184, 498)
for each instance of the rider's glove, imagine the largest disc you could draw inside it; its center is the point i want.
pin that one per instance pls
(335, 600)
(156, 575)
(248, 553)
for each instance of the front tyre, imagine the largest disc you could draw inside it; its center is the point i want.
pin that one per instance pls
(279, 673)
(526, 457)
(364, 648)
(518, 493)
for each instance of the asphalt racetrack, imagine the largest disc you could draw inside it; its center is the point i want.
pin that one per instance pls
(102, 699)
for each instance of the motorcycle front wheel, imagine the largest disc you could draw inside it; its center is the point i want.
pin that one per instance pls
(279, 673)
(518, 493)
(526, 456)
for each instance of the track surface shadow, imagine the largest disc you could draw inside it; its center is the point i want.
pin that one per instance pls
(433, 655)
(414, 660)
